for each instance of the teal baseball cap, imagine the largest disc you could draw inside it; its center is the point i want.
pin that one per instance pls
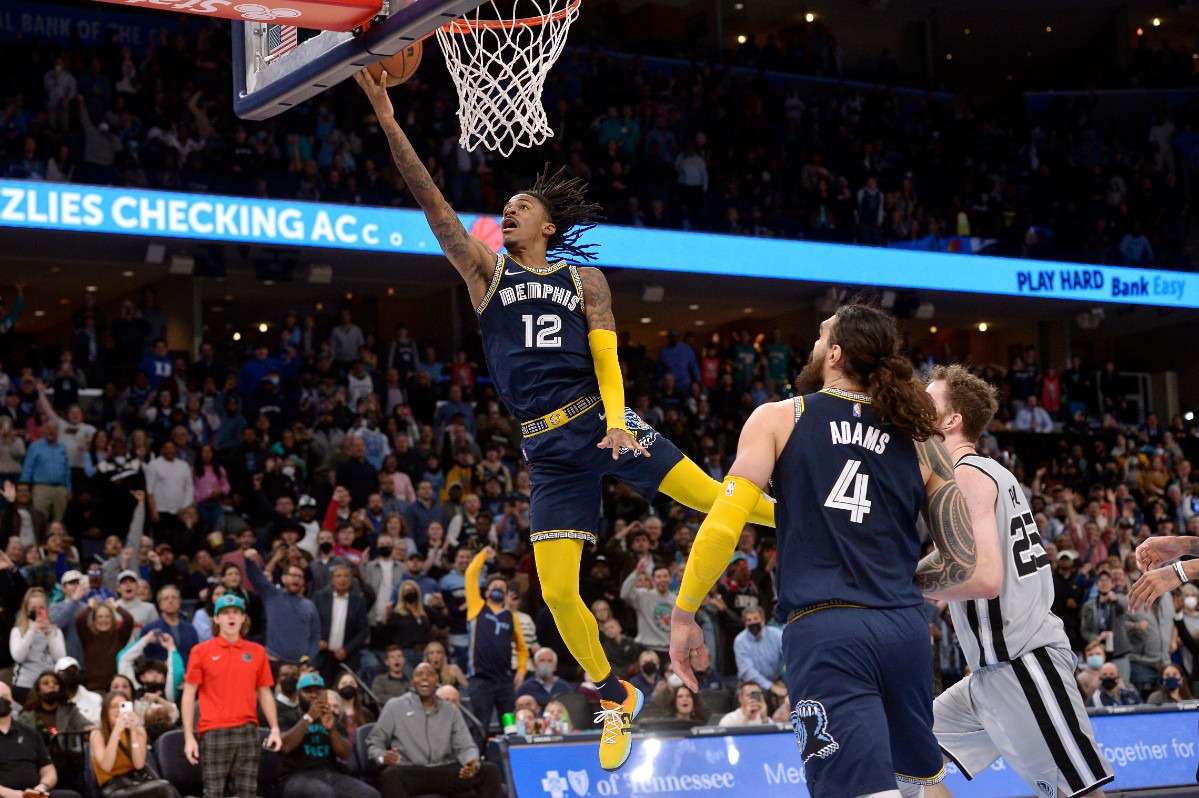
(310, 679)
(228, 601)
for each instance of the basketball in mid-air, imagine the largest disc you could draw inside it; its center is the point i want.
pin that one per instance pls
(400, 66)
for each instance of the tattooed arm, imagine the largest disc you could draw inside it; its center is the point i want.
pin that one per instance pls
(473, 259)
(597, 300)
(952, 571)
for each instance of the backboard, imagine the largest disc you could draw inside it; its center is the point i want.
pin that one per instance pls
(272, 73)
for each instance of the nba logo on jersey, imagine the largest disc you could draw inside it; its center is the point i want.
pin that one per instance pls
(857, 409)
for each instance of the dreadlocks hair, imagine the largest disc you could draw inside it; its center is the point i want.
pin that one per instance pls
(571, 214)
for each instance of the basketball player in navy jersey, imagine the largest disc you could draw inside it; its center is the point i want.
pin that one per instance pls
(550, 340)
(1020, 700)
(852, 462)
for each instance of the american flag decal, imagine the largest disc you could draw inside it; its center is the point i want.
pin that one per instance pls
(280, 39)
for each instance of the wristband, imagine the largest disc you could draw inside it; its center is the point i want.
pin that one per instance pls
(1182, 575)
(307, 718)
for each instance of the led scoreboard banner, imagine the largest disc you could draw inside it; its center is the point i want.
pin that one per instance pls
(203, 217)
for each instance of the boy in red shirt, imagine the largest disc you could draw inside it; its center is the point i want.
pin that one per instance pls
(229, 673)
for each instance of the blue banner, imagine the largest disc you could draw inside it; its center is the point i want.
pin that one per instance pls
(1149, 750)
(49, 206)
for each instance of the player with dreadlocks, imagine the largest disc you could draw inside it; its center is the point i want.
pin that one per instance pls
(550, 341)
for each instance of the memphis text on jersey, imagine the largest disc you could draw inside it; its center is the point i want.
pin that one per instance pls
(869, 438)
(526, 291)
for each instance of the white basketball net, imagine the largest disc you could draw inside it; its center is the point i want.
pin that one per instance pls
(499, 65)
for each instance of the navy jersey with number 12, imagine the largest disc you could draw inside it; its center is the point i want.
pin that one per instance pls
(849, 493)
(535, 337)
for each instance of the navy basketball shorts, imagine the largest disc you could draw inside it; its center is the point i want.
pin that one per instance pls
(566, 469)
(860, 682)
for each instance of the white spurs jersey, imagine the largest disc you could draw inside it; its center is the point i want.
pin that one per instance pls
(1020, 619)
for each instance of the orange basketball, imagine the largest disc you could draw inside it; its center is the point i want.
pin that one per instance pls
(400, 66)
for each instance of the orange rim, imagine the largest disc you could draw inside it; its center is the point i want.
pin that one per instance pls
(463, 25)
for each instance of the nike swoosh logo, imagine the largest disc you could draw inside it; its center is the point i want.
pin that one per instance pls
(214, 659)
(521, 273)
(602, 416)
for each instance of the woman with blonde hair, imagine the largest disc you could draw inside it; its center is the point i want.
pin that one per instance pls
(35, 643)
(447, 672)
(557, 719)
(395, 525)
(104, 629)
(411, 625)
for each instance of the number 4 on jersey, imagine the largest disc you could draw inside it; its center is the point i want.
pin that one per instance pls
(840, 498)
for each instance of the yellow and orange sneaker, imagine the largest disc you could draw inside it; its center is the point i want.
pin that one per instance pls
(616, 741)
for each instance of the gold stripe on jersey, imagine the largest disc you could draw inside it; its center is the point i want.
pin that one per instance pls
(495, 283)
(795, 615)
(556, 418)
(848, 395)
(578, 281)
(937, 779)
(541, 272)
(563, 534)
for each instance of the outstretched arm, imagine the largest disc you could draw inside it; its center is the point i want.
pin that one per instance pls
(949, 523)
(472, 258)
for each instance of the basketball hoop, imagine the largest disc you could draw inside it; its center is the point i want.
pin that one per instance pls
(499, 62)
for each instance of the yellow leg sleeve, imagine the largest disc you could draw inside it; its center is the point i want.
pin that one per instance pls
(688, 484)
(716, 540)
(558, 564)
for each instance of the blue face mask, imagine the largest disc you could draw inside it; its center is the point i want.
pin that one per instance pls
(1095, 662)
(496, 595)
(1171, 683)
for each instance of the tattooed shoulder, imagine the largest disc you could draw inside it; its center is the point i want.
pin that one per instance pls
(933, 455)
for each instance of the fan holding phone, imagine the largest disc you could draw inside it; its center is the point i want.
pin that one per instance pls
(36, 643)
(119, 750)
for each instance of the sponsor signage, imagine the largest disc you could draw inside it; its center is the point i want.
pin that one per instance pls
(1147, 750)
(204, 217)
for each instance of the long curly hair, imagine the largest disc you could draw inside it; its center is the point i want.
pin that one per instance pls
(565, 199)
(870, 340)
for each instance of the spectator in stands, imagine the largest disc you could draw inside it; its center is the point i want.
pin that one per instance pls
(142, 612)
(679, 703)
(422, 512)
(344, 617)
(25, 764)
(20, 519)
(171, 622)
(447, 672)
(74, 692)
(346, 339)
(545, 686)
(652, 606)
(1112, 692)
(393, 682)
(47, 470)
(314, 748)
(1033, 418)
(36, 643)
(229, 675)
(1105, 618)
(58, 721)
(119, 747)
(287, 699)
(1150, 635)
(357, 475)
(414, 620)
(478, 731)
(423, 744)
(293, 625)
(354, 713)
(494, 634)
(752, 710)
(758, 649)
(649, 678)
(104, 629)
(620, 650)
(1094, 655)
(1172, 688)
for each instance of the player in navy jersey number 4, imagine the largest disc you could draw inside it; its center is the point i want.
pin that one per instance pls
(550, 341)
(853, 461)
(1020, 700)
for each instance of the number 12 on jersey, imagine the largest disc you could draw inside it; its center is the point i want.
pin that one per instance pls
(840, 498)
(547, 328)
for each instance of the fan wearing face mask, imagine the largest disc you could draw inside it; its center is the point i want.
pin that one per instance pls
(1172, 688)
(47, 711)
(493, 631)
